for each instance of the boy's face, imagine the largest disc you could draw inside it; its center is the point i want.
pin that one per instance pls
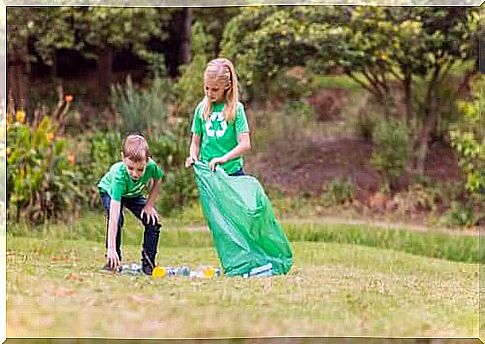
(214, 89)
(135, 168)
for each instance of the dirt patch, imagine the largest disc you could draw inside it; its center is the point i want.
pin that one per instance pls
(305, 167)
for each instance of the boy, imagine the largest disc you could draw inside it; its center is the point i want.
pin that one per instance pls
(123, 186)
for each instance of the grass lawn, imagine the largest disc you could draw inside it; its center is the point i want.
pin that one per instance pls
(54, 289)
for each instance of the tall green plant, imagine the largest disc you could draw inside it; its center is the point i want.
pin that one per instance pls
(42, 181)
(468, 139)
(391, 150)
(142, 110)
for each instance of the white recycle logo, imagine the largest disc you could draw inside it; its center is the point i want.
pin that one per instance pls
(219, 116)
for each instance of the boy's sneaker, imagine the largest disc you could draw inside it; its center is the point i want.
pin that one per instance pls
(108, 268)
(146, 268)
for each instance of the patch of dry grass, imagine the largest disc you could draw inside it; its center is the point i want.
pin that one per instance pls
(54, 289)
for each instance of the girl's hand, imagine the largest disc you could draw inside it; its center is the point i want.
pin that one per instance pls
(190, 161)
(151, 214)
(112, 258)
(216, 161)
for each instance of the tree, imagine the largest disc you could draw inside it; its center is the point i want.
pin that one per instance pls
(372, 45)
(96, 32)
(30, 35)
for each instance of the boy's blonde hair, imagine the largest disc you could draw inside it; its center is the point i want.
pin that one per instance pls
(223, 70)
(135, 148)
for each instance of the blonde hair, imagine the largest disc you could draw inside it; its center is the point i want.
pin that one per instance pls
(223, 70)
(135, 148)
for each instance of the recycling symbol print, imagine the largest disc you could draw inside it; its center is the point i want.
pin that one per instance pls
(216, 125)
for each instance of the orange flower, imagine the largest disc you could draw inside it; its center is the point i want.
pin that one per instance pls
(49, 137)
(68, 98)
(71, 158)
(20, 116)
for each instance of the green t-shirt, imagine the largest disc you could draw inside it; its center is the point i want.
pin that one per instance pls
(218, 136)
(118, 183)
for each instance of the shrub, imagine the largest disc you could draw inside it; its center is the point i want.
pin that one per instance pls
(338, 192)
(42, 181)
(391, 150)
(142, 110)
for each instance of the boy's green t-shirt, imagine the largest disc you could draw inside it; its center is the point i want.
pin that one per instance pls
(218, 136)
(118, 183)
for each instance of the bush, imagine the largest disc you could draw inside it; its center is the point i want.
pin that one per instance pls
(42, 181)
(338, 192)
(392, 150)
(190, 86)
(142, 111)
(462, 215)
(469, 142)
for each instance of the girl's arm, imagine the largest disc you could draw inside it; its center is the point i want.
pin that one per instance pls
(244, 145)
(194, 150)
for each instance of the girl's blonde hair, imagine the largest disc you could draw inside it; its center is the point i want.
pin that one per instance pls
(135, 148)
(223, 70)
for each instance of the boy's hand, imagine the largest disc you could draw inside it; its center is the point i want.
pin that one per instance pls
(112, 258)
(151, 214)
(190, 161)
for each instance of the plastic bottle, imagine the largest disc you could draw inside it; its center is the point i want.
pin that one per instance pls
(182, 271)
(206, 272)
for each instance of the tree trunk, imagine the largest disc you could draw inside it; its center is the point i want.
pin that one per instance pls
(423, 139)
(430, 121)
(185, 35)
(17, 83)
(105, 61)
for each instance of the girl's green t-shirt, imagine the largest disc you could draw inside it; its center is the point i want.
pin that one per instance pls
(219, 136)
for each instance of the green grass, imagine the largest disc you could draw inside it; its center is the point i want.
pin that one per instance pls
(193, 232)
(54, 289)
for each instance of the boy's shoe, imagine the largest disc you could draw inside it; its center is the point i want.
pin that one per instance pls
(146, 268)
(107, 268)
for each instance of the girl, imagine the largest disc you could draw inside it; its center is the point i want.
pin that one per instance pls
(220, 131)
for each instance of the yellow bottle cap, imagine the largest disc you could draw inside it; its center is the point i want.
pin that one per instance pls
(158, 272)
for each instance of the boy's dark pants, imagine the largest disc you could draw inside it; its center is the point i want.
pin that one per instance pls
(152, 231)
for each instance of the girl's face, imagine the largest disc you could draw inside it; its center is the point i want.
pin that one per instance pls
(214, 90)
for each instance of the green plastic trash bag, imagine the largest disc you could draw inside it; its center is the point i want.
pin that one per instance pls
(243, 226)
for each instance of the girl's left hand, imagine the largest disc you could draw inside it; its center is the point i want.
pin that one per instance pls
(151, 214)
(216, 161)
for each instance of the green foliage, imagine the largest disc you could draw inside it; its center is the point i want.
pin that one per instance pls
(289, 85)
(365, 122)
(190, 86)
(42, 181)
(142, 110)
(443, 246)
(469, 141)
(95, 154)
(338, 192)
(462, 215)
(89, 30)
(392, 149)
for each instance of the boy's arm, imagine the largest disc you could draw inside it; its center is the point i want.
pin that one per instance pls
(114, 214)
(149, 208)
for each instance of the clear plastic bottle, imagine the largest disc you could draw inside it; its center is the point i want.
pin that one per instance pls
(182, 271)
(206, 271)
